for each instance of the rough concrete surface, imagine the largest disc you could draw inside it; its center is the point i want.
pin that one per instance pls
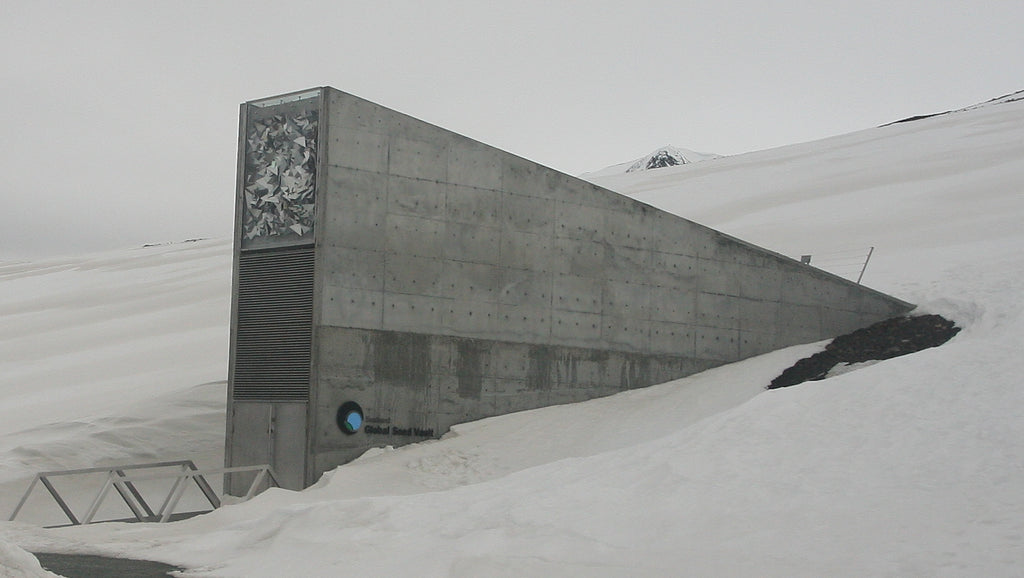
(454, 281)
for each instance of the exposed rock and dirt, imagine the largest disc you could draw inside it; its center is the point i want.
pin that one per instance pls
(883, 340)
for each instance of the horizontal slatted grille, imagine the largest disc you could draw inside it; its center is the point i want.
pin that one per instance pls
(273, 345)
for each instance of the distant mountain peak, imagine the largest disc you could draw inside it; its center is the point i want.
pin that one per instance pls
(667, 156)
(662, 157)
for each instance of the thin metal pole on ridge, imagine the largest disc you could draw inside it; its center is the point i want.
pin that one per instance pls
(848, 263)
(866, 259)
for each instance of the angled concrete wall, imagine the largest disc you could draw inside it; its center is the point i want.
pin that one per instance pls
(455, 281)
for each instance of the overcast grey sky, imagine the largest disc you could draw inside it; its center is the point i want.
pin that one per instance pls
(119, 119)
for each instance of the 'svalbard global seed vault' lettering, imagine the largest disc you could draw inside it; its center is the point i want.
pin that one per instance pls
(392, 278)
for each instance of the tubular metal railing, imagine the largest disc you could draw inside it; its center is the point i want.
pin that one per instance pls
(849, 264)
(125, 485)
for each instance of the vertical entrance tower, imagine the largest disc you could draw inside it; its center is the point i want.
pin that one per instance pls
(392, 278)
(271, 367)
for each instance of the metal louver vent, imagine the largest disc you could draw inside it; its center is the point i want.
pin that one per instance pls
(274, 326)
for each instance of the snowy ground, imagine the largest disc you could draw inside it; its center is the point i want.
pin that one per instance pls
(912, 466)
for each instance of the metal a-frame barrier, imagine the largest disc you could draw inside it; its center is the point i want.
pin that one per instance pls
(125, 485)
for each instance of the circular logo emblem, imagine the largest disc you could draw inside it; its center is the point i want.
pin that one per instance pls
(350, 417)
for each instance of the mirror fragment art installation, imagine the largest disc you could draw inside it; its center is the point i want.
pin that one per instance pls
(280, 176)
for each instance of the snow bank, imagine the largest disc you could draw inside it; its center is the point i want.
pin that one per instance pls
(17, 563)
(118, 357)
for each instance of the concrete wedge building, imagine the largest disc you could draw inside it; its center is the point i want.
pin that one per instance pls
(392, 278)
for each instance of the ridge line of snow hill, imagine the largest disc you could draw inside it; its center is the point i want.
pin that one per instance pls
(1005, 99)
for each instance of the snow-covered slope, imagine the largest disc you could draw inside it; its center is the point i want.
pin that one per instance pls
(940, 185)
(666, 156)
(112, 358)
(911, 466)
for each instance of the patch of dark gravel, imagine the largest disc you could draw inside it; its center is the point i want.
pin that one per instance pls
(86, 566)
(883, 340)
